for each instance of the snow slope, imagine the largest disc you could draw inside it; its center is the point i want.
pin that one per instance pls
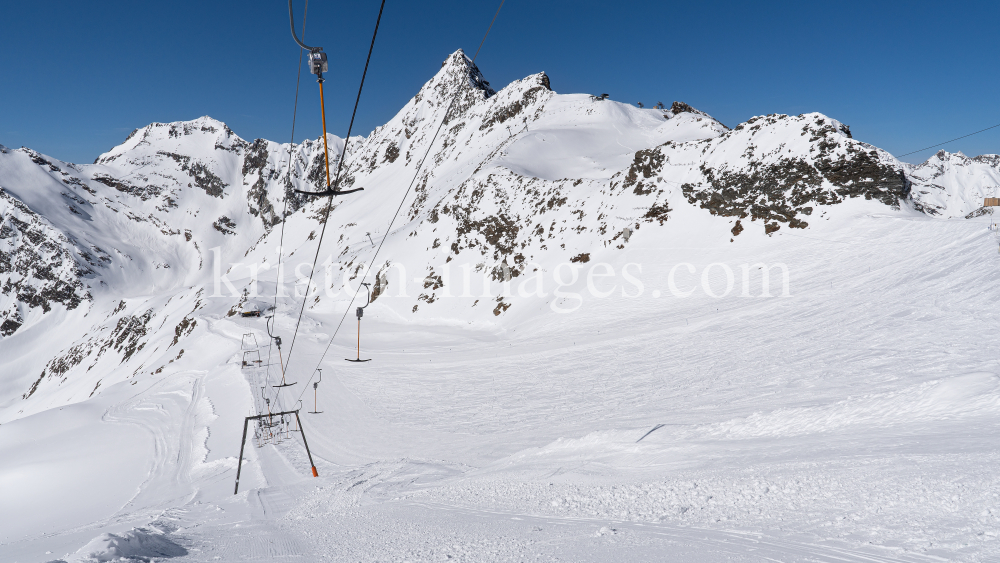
(600, 333)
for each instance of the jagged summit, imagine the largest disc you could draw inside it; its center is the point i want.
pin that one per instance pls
(458, 64)
(458, 75)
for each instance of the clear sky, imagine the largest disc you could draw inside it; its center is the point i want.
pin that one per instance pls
(77, 77)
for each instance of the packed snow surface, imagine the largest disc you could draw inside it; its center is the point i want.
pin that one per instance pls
(598, 333)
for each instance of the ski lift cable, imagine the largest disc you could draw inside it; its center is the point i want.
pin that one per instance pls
(291, 21)
(946, 142)
(272, 340)
(340, 165)
(291, 145)
(395, 215)
(288, 176)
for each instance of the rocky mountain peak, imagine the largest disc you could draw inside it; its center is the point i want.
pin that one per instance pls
(680, 107)
(458, 75)
(204, 133)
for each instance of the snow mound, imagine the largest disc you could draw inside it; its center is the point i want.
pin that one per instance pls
(138, 544)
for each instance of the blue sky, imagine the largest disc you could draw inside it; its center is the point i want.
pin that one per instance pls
(77, 77)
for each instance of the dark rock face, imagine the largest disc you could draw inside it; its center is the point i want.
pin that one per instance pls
(183, 328)
(142, 192)
(391, 153)
(494, 235)
(501, 113)
(200, 174)
(981, 212)
(40, 160)
(646, 163)
(782, 185)
(255, 162)
(256, 157)
(126, 338)
(658, 212)
(784, 190)
(37, 266)
(225, 225)
(11, 322)
(774, 192)
(681, 107)
(988, 159)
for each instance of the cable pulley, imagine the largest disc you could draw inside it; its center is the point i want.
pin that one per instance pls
(318, 63)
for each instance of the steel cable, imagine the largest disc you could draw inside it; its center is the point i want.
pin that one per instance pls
(336, 184)
(946, 142)
(398, 209)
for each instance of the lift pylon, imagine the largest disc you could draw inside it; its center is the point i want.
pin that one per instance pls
(249, 341)
(246, 423)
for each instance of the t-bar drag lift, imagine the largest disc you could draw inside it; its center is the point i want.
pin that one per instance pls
(318, 64)
(315, 393)
(360, 313)
(281, 361)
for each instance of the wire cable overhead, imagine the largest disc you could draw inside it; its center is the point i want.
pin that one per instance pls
(334, 189)
(946, 142)
(416, 175)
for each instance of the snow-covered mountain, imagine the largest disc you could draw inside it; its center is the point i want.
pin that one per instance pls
(954, 185)
(130, 271)
(517, 176)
